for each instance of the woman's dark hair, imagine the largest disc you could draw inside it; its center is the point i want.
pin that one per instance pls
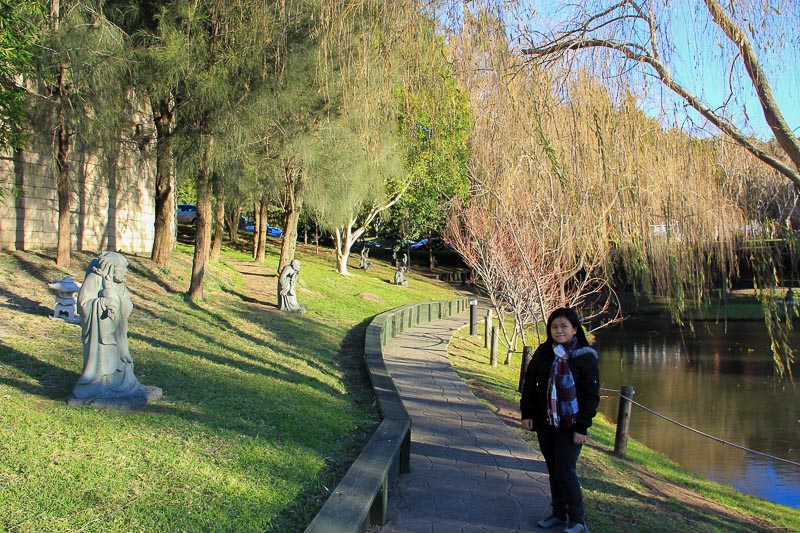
(571, 315)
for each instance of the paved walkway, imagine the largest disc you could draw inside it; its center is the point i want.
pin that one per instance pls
(469, 471)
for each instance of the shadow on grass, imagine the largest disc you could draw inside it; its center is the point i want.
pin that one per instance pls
(138, 268)
(653, 507)
(350, 359)
(23, 304)
(252, 364)
(247, 298)
(44, 379)
(46, 272)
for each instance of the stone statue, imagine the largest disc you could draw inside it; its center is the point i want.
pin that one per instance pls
(287, 288)
(400, 274)
(365, 264)
(104, 306)
(400, 278)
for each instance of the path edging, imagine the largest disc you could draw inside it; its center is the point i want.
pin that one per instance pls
(361, 497)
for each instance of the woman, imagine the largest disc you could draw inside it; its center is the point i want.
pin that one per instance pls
(560, 395)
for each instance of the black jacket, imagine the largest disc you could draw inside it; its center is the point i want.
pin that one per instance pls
(583, 365)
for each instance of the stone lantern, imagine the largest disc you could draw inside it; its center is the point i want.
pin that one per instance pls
(66, 308)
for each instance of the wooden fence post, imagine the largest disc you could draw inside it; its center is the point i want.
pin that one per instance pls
(493, 351)
(626, 392)
(473, 317)
(487, 328)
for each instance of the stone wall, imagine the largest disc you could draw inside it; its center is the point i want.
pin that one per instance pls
(112, 208)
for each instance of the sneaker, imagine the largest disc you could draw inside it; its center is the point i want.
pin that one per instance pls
(550, 521)
(576, 527)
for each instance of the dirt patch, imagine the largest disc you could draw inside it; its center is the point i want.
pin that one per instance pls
(262, 286)
(371, 297)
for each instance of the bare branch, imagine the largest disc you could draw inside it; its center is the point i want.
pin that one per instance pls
(636, 53)
(772, 113)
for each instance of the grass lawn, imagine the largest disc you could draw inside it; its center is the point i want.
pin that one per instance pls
(262, 412)
(645, 492)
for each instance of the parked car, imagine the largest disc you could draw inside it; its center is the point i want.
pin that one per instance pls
(187, 213)
(272, 231)
(434, 243)
(358, 245)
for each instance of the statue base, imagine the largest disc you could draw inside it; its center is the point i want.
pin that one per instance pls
(142, 396)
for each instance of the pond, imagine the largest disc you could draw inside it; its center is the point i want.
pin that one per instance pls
(718, 381)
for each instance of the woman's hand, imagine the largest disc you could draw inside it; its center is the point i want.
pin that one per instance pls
(527, 423)
(578, 439)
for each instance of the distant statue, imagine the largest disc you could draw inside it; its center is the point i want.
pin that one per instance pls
(287, 288)
(104, 306)
(404, 263)
(400, 274)
(400, 277)
(394, 257)
(365, 264)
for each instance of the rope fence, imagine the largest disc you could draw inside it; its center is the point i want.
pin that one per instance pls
(712, 437)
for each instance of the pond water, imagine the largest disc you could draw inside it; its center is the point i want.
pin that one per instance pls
(719, 381)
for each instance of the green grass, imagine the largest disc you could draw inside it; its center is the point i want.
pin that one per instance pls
(645, 491)
(262, 411)
(741, 305)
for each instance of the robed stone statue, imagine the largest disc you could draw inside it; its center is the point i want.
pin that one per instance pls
(104, 306)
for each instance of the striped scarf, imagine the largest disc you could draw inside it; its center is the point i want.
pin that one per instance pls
(563, 399)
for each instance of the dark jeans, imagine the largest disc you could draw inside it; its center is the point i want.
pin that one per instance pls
(561, 456)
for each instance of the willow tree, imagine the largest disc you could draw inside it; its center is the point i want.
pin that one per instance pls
(583, 187)
(747, 38)
(686, 47)
(354, 161)
(352, 180)
(522, 231)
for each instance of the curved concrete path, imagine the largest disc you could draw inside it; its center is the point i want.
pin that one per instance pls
(469, 471)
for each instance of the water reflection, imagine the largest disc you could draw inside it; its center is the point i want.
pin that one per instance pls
(719, 381)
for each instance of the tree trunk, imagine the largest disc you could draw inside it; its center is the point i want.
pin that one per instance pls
(262, 228)
(63, 181)
(431, 261)
(345, 237)
(202, 230)
(289, 244)
(64, 186)
(219, 216)
(232, 217)
(292, 206)
(256, 224)
(772, 114)
(165, 225)
(342, 252)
